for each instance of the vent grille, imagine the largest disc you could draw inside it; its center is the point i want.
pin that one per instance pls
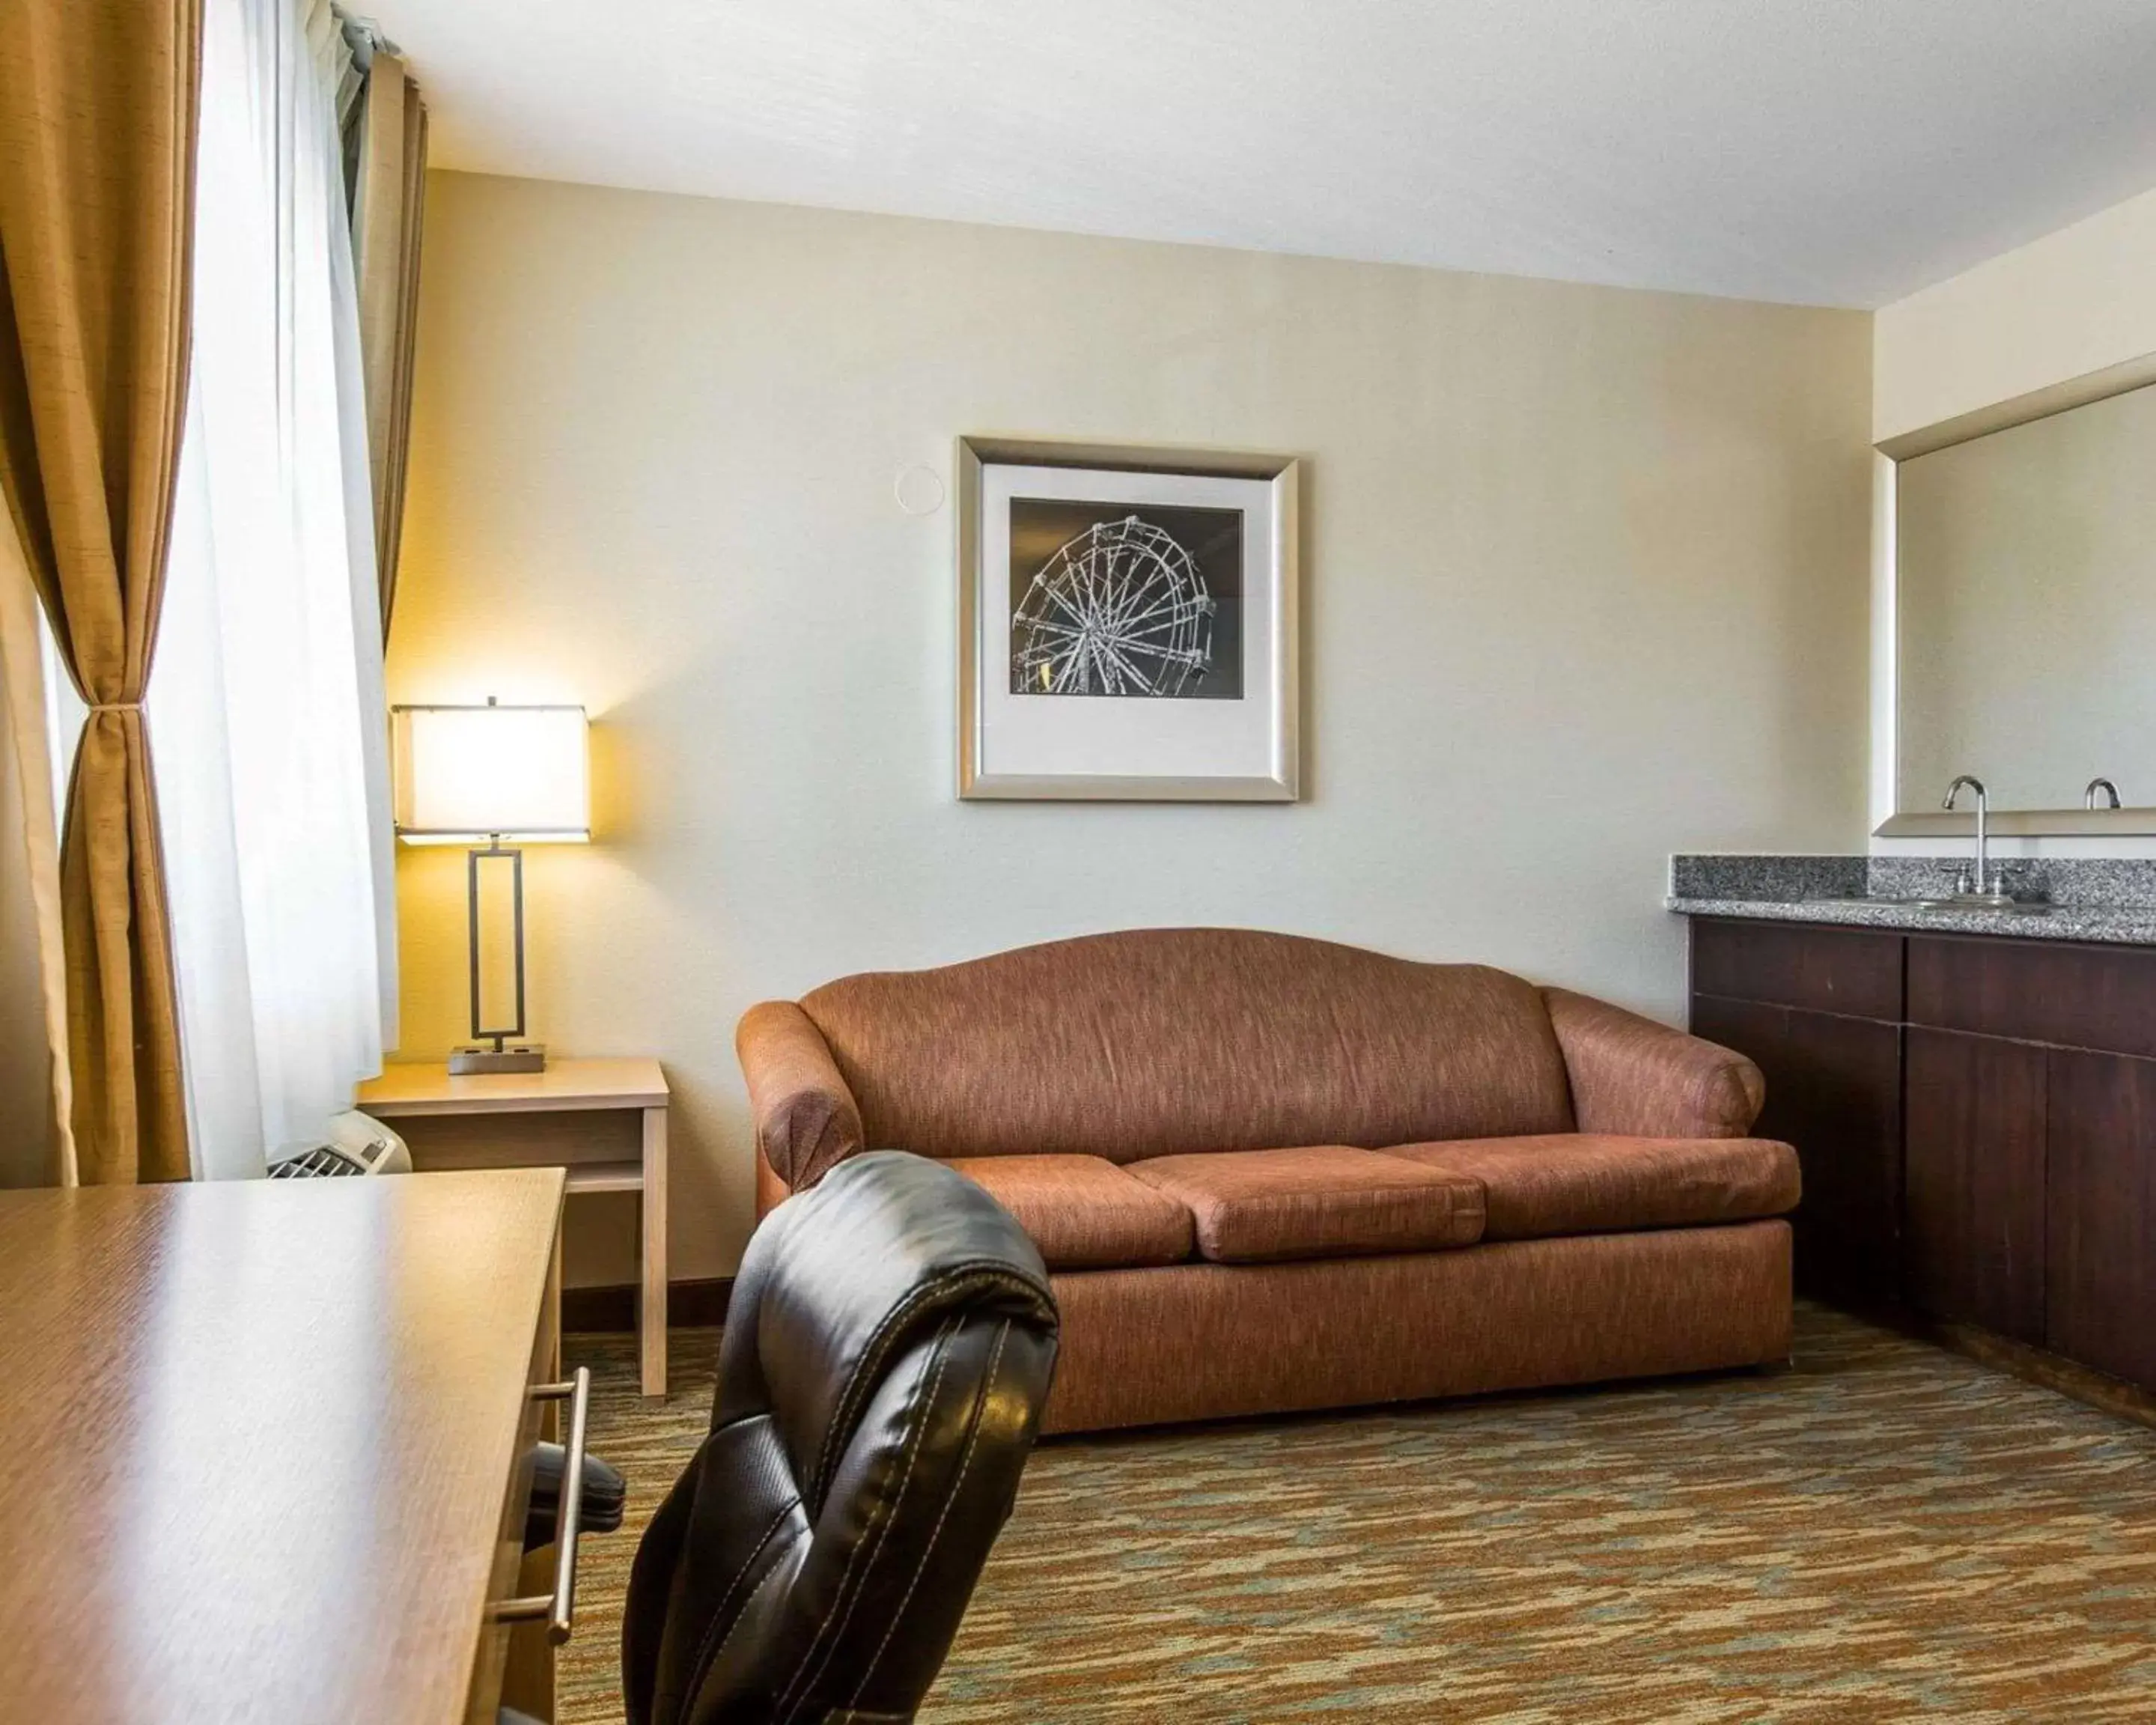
(314, 1163)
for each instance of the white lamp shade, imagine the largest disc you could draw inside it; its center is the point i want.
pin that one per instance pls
(473, 772)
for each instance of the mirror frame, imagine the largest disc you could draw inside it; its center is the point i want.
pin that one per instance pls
(1964, 428)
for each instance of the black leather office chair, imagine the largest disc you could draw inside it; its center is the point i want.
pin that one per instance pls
(888, 1348)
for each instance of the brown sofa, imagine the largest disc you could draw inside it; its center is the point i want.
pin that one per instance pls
(1271, 1173)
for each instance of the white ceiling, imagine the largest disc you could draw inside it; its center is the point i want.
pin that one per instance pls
(1837, 151)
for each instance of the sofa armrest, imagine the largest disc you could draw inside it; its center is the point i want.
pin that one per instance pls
(1632, 1076)
(807, 1121)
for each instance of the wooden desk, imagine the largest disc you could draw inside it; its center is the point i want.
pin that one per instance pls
(265, 1446)
(566, 1117)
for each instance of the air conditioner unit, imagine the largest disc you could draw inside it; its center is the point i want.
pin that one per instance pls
(357, 1145)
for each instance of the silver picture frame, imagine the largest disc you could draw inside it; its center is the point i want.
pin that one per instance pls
(1270, 677)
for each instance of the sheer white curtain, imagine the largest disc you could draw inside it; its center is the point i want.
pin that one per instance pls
(266, 701)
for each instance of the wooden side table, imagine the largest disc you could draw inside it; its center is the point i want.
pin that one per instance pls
(604, 1120)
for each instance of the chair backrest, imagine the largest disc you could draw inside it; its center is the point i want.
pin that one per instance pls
(1167, 1041)
(887, 1352)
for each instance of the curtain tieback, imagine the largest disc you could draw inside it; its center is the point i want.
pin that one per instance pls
(115, 707)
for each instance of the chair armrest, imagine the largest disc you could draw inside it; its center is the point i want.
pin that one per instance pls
(605, 1495)
(807, 1121)
(1632, 1076)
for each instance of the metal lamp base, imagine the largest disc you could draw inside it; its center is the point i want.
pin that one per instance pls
(496, 1047)
(515, 1057)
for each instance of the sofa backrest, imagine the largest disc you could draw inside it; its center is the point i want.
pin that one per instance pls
(1168, 1041)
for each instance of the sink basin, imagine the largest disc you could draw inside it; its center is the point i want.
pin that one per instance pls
(1948, 902)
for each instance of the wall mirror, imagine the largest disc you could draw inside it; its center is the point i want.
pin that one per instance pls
(2025, 638)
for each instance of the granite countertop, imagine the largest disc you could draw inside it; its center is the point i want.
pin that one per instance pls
(2071, 900)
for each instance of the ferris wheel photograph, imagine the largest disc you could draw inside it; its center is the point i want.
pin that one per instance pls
(1130, 600)
(1126, 622)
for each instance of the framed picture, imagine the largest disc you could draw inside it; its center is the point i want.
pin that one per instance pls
(1127, 623)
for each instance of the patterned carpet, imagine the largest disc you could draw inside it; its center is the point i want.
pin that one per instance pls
(1889, 1532)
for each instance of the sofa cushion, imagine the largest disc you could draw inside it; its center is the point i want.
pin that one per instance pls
(1168, 1041)
(1599, 1182)
(1324, 1201)
(1082, 1213)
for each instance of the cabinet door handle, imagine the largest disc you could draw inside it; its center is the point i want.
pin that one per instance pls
(558, 1608)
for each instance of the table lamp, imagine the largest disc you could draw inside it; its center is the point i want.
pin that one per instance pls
(464, 774)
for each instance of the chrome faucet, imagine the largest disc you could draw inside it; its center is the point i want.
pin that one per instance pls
(1983, 888)
(2100, 788)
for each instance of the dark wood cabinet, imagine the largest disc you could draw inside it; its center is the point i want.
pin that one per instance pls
(1976, 1119)
(1851, 973)
(2048, 992)
(1974, 1181)
(2101, 1247)
(1834, 1090)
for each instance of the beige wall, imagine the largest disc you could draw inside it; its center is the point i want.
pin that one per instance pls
(2059, 307)
(1587, 582)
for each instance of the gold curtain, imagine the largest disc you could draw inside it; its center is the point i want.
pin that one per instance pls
(387, 204)
(96, 207)
(29, 775)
